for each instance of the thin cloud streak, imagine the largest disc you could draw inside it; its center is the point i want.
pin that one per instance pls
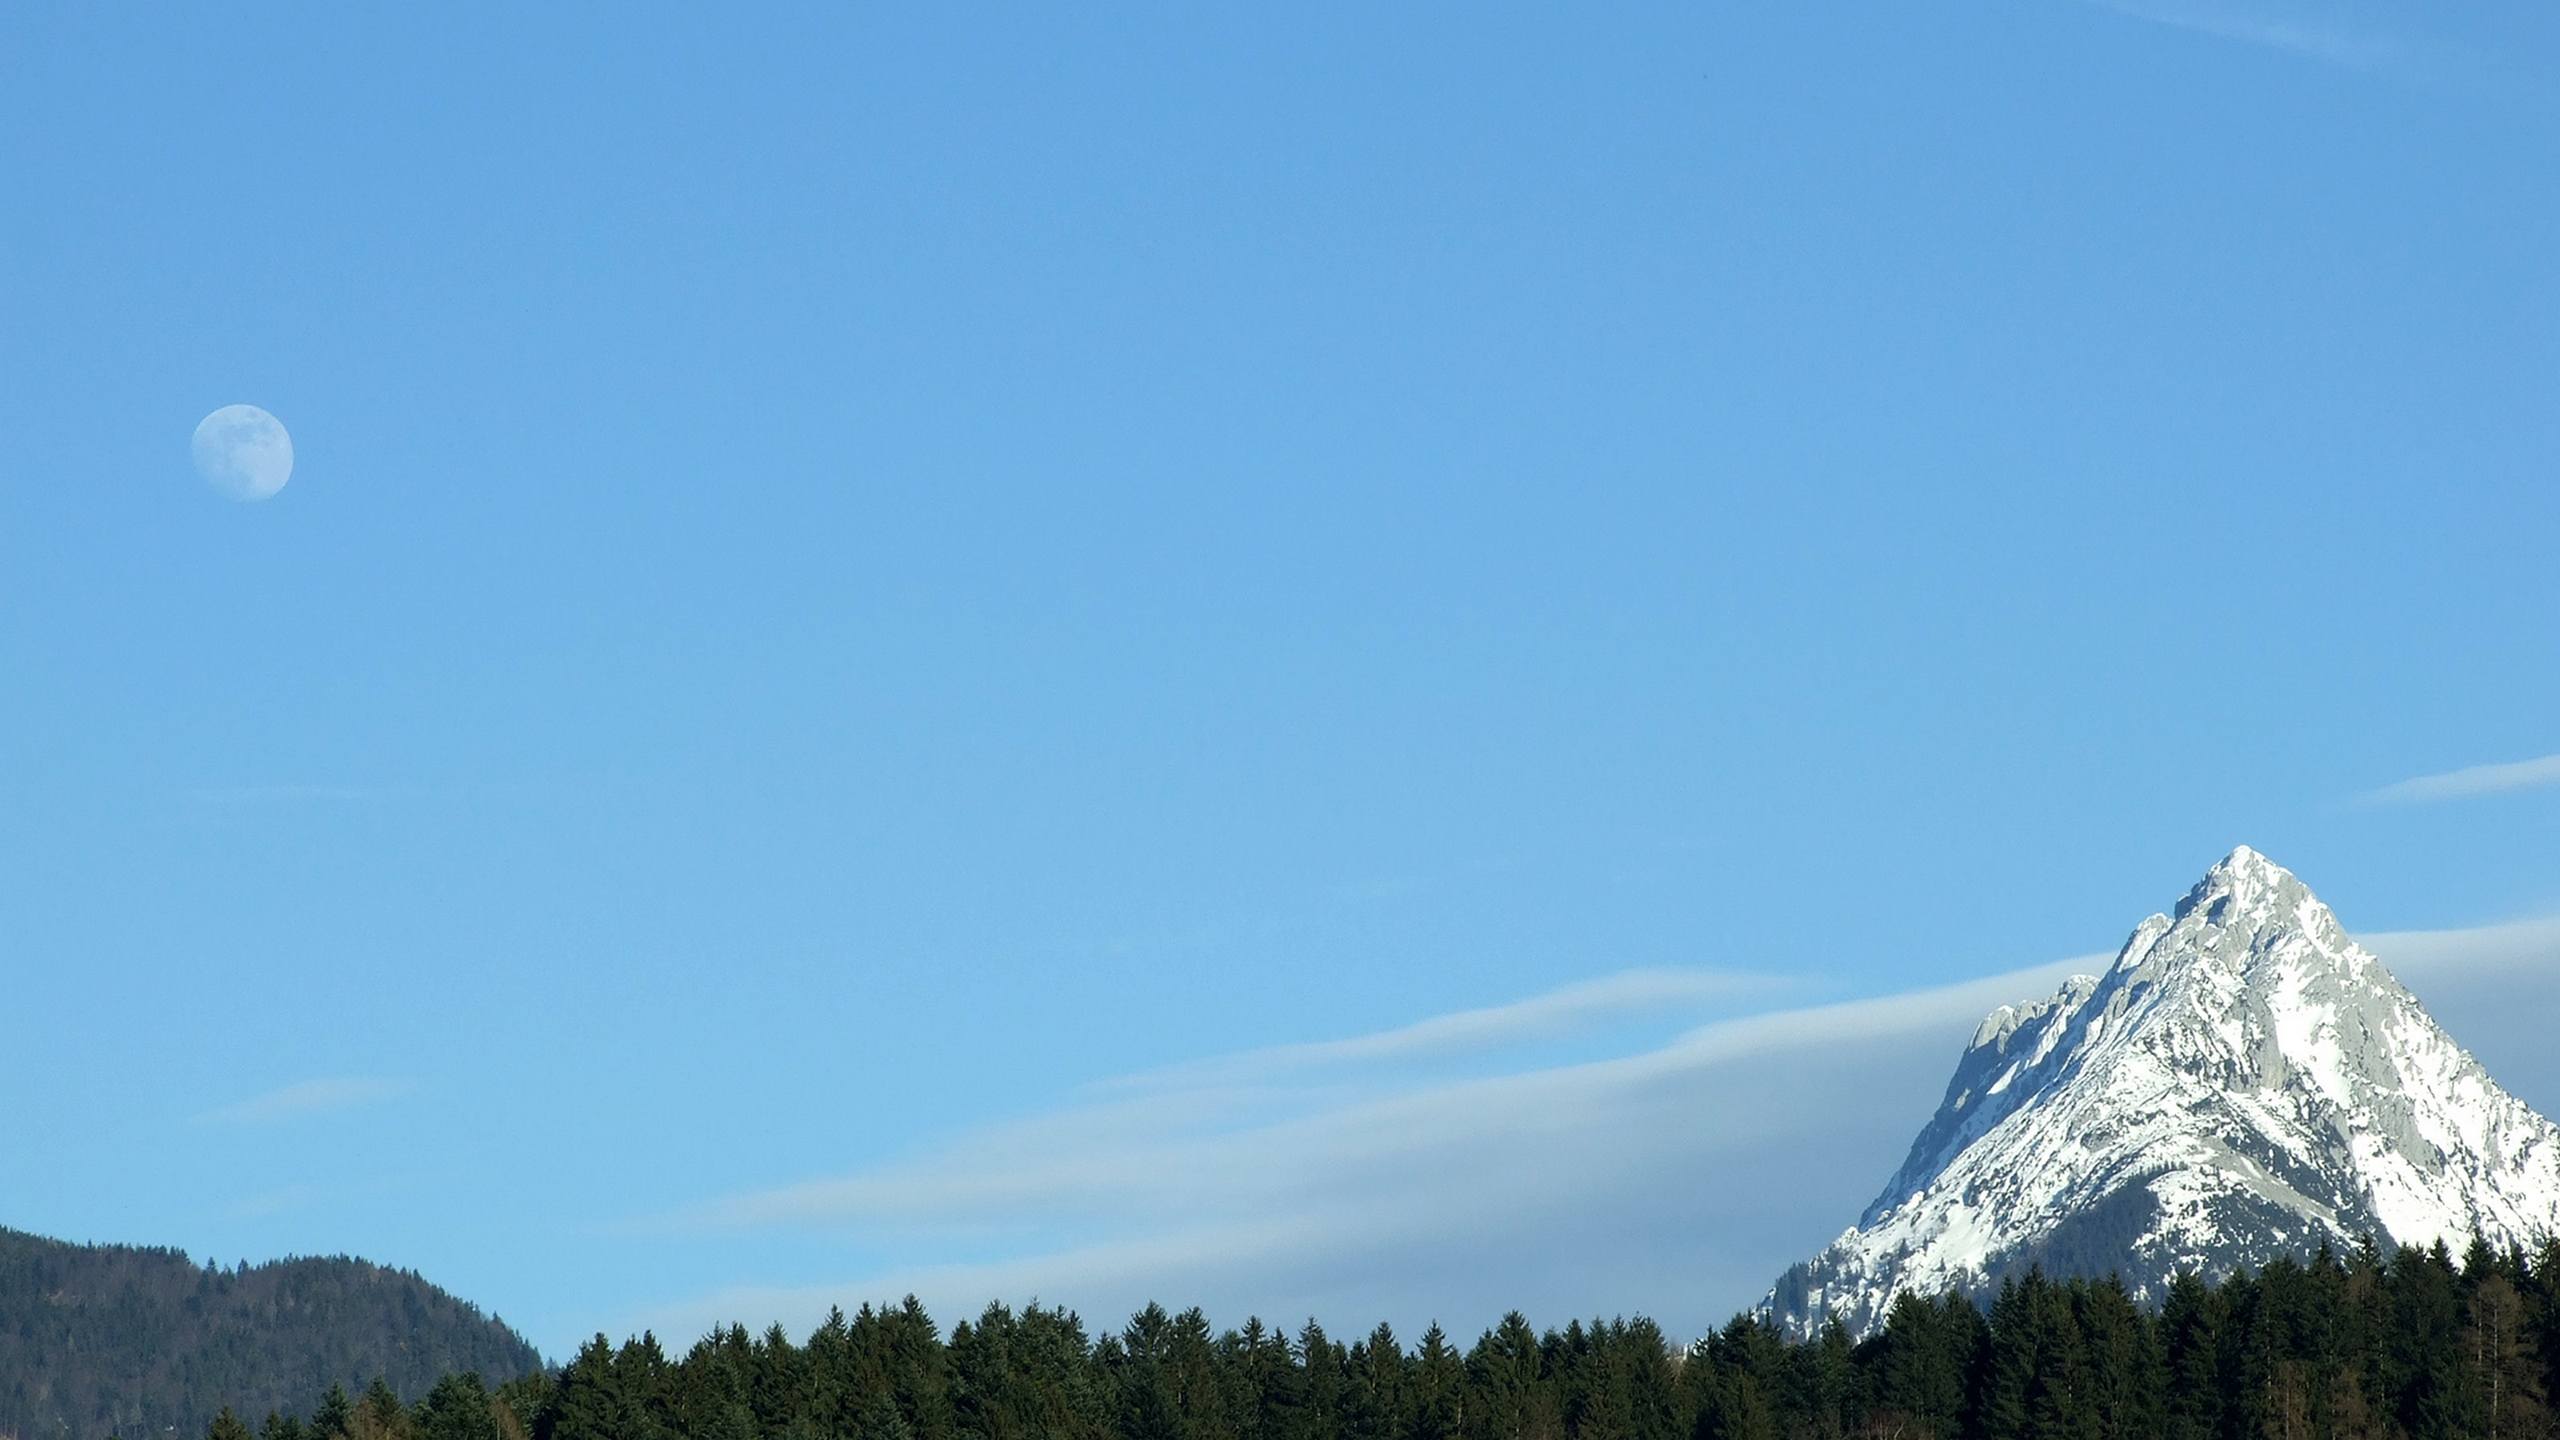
(2336, 45)
(1599, 1181)
(325, 1096)
(1555, 1013)
(2471, 781)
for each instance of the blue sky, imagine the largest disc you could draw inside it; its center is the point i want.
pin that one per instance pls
(854, 579)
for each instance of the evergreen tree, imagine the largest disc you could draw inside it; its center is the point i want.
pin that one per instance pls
(1601, 1409)
(458, 1408)
(1825, 1389)
(227, 1426)
(982, 1376)
(587, 1403)
(981, 1364)
(1921, 1361)
(2361, 1394)
(1375, 1407)
(2426, 1366)
(1439, 1388)
(334, 1418)
(643, 1378)
(380, 1415)
(897, 1352)
(2125, 1379)
(1265, 1386)
(1737, 1409)
(2540, 1288)
(1504, 1374)
(2061, 1400)
(1652, 1381)
(2191, 1346)
(1165, 1369)
(775, 1382)
(1199, 1389)
(2010, 1380)
(1146, 1405)
(829, 1386)
(1324, 1365)
(1055, 1361)
(708, 1389)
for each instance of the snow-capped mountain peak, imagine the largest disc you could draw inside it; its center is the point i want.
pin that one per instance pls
(2244, 1080)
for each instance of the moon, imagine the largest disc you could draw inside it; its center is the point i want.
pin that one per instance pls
(243, 453)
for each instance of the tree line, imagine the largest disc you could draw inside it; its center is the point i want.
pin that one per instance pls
(2412, 1345)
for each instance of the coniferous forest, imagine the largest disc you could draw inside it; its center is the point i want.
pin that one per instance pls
(2417, 1345)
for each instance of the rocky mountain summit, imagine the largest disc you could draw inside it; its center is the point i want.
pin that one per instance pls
(2243, 1081)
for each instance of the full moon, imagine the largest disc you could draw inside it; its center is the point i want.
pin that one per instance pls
(243, 452)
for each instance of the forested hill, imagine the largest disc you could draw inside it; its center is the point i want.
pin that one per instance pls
(100, 1340)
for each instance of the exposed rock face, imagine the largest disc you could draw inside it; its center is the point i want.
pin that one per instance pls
(2244, 1081)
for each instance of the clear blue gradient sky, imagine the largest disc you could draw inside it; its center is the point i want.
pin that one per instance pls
(855, 573)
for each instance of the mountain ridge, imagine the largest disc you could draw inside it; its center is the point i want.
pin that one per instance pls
(2243, 1080)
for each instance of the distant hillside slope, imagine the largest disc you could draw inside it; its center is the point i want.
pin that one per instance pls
(100, 1340)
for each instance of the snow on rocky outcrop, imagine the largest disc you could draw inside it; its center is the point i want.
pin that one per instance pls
(2244, 1081)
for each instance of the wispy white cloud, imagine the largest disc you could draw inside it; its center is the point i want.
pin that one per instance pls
(2317, 38)
(308, 1097)
(2470, 781)
(1677, 1177)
